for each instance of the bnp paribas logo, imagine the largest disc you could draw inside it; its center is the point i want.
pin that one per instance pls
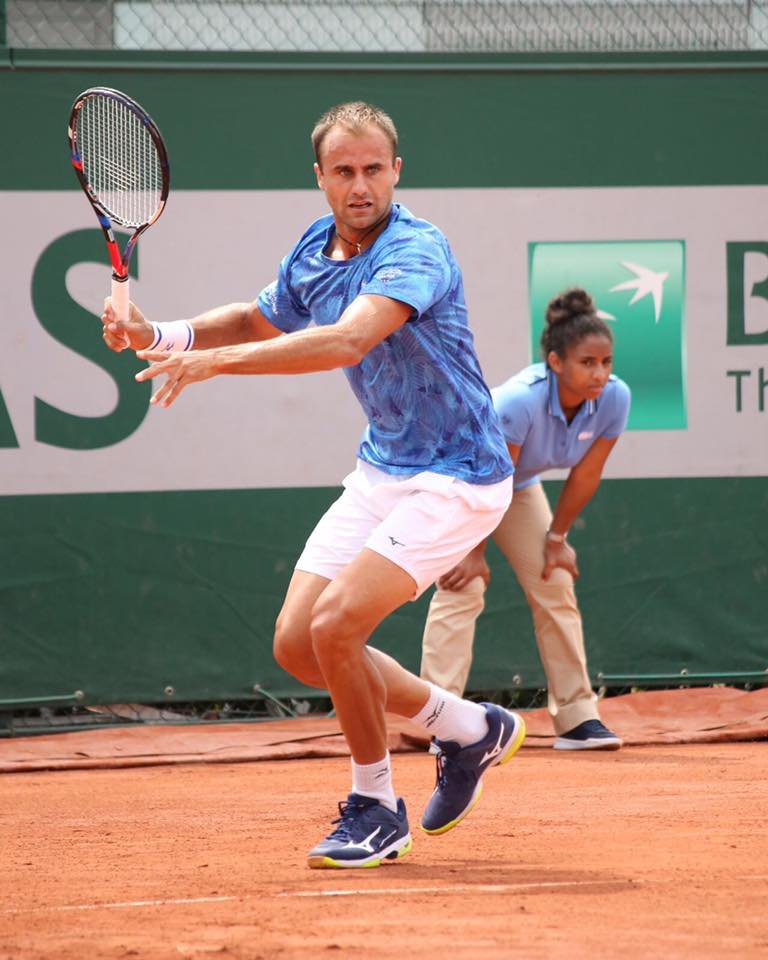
(639, 289)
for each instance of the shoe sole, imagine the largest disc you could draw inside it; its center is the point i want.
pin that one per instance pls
(400, 848)
(515, 742)
(595, 743)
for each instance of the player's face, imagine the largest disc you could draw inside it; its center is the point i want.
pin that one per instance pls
(358, 174)
(584, 372)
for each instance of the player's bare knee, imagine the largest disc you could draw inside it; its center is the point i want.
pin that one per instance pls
(283, 653)
(331, 630)
(292, 648)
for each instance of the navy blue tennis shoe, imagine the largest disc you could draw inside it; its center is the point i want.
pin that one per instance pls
(589, 735)
(366, 834)
(460, 769)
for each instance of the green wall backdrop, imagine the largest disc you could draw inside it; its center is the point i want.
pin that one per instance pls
(462, 121)
(123, 595)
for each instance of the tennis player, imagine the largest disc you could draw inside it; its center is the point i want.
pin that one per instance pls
(567, 412)
(375, 291)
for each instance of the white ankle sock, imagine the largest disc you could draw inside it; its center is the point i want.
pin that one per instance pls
(448, 717)
(375, 780)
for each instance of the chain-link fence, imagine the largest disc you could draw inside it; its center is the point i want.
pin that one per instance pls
(395, 26)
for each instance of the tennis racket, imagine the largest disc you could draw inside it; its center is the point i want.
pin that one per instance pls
(121, 162)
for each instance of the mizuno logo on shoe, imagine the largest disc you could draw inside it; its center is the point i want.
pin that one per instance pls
(384, 839)
(496, 749)
(367, 844)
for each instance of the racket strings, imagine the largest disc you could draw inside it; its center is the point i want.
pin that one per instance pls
(120, 161)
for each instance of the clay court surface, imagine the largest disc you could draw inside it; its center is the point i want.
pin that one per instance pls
(653, 851)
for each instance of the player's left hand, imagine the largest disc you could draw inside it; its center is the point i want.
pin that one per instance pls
(180, 368)
(134, 334)
(559, 555)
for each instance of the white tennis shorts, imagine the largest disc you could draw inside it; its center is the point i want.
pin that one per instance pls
(425, 523)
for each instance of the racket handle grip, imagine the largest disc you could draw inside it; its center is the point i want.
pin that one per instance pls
(121, 303)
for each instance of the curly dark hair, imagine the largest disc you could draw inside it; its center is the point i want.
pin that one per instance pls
(571, 316)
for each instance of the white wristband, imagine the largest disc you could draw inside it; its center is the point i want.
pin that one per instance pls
(556, 537)
(177, 335)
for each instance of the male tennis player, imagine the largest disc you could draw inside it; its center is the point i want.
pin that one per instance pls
(433, 477)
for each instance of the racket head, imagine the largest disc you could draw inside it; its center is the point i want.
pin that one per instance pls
(119, 156)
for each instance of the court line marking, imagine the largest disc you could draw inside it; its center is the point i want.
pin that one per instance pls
(355, 892)
(459, 888)
(124, 905)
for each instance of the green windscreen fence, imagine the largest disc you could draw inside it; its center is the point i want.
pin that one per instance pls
(173, 596)
(145, 561)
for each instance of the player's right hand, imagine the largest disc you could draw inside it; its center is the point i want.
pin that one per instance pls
(135, 334)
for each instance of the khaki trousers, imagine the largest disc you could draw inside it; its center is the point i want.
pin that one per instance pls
(449, 632)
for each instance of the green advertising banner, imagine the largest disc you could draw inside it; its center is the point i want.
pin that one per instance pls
(639, 289)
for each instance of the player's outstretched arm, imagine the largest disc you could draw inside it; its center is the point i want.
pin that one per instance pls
(232, 323)
(367, 321)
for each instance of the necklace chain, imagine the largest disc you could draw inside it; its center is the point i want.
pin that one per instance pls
(358, 244)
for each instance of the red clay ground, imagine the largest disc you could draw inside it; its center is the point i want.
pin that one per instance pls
(648, 852)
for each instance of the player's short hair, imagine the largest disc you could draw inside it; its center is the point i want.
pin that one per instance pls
(571, 316)
(355, 117)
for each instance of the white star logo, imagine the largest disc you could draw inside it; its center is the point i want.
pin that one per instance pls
(646, 283)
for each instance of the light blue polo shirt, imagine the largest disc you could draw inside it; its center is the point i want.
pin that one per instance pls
(422, 390)
(531, 417)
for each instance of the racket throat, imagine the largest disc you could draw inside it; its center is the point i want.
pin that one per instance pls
(119, 263)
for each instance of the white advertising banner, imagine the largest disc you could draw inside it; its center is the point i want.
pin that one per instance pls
(681, 274)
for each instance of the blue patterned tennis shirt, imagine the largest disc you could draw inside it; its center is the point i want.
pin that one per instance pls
(422, 390)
